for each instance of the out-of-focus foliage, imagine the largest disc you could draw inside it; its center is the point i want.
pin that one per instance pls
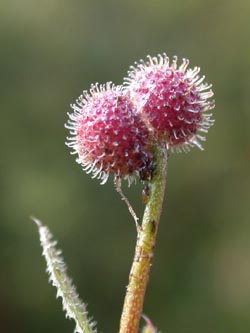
(50, 51)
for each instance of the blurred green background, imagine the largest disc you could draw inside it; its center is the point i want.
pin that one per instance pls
(50, 51)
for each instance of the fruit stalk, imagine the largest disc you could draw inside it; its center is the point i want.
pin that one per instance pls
(145, 246)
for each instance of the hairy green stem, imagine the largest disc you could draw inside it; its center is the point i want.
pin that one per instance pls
(144, 251)
(73, 306)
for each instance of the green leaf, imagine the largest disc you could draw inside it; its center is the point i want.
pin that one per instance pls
(75, 309)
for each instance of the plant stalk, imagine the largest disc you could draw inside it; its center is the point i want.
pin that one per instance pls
(145, 246)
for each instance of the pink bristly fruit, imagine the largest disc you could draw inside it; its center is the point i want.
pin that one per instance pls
(108, 136)
(171, 100)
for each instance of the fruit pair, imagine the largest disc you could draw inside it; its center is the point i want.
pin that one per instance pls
(114, 128)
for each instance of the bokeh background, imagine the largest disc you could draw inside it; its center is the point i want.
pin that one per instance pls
(50, 51)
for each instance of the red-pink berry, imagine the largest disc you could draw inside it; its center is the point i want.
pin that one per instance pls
(172, 100)
(107, 134)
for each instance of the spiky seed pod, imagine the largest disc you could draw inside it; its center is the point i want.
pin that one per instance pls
(107, 134)
(172, 100)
